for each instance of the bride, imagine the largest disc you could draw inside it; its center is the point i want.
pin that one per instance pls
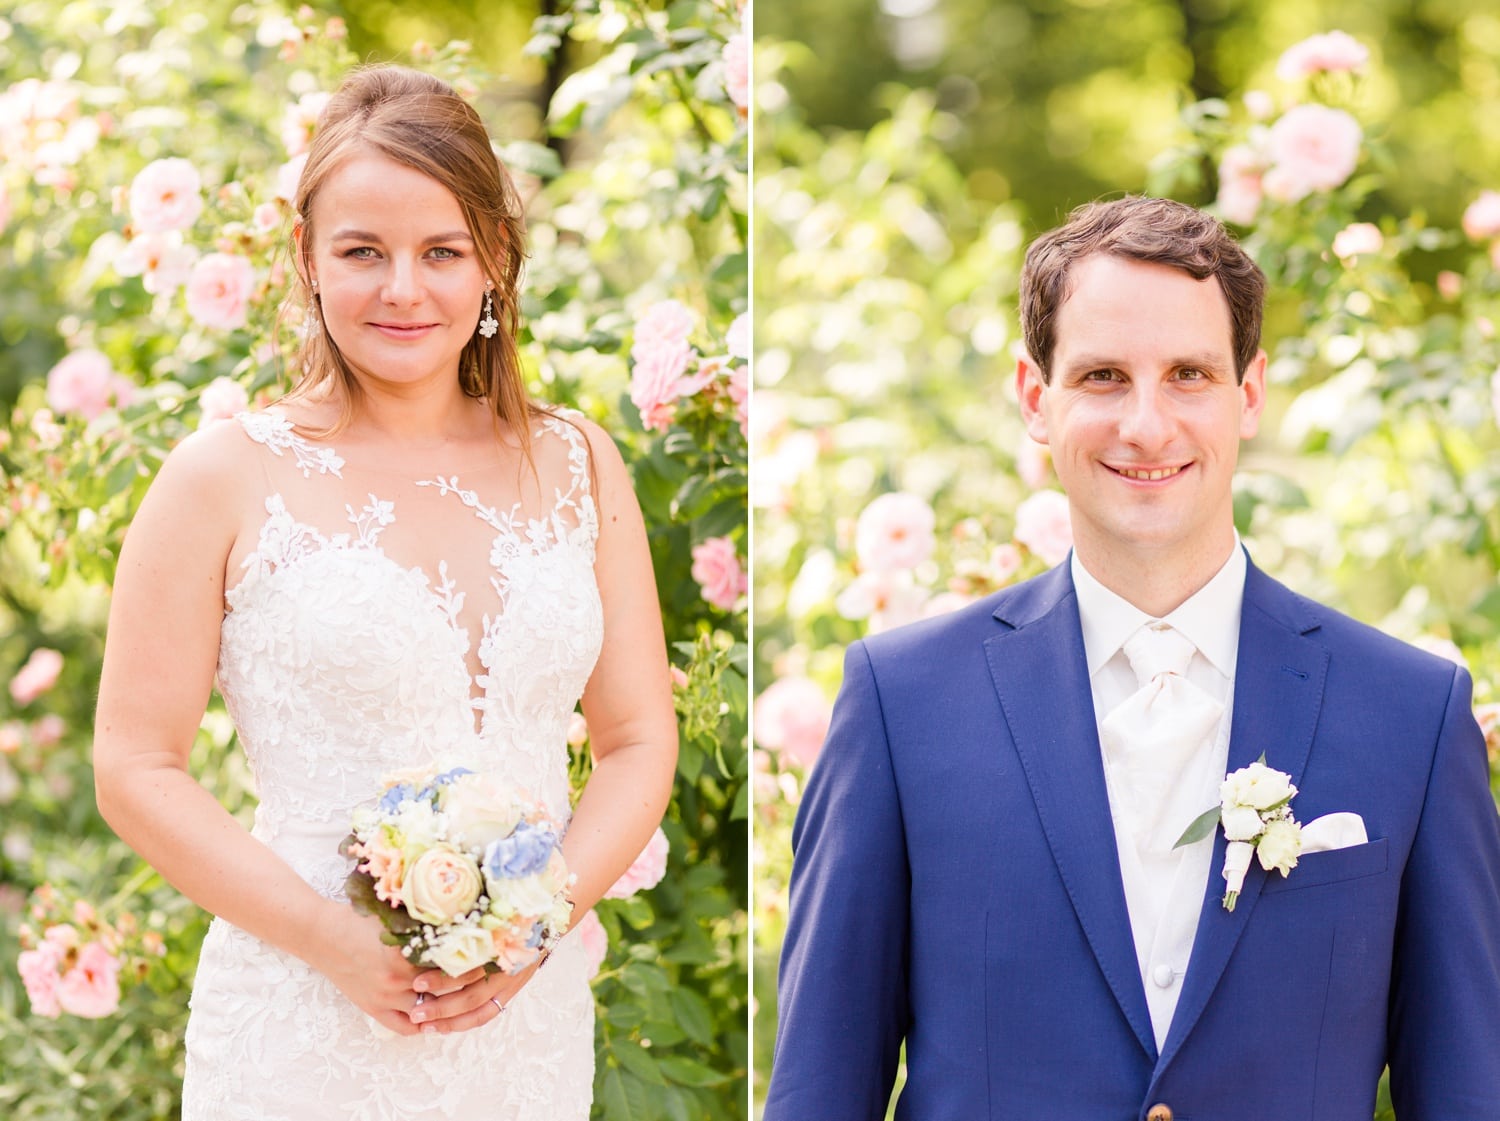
(405, 562)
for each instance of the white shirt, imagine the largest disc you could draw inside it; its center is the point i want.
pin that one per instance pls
(1164, 889)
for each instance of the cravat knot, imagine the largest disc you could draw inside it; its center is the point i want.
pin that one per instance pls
(1156, 649)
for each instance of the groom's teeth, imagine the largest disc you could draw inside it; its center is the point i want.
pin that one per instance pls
(1158, 473)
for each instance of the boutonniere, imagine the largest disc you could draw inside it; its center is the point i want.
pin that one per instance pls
(1255, 810)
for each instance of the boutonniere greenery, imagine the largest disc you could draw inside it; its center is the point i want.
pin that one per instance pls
(1255, 810)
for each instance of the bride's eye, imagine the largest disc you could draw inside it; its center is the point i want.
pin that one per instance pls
(443, 253)
(359, 253)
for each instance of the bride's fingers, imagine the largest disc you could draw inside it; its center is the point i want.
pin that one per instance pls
(438, 983)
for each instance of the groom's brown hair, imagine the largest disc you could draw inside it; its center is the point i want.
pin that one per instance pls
(1156, 231)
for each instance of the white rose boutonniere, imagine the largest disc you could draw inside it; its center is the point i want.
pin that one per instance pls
(1255, 811)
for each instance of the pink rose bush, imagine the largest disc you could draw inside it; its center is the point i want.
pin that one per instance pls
(1240, 185)
(894, 532)
(1481, 219)
(166, 195)
(85, 384)
(717, 569)
(37, 676)
(645, 871)
(301, 121)
(791, 718)
(218, 291)
(736, 58)
(1331, 52)
(81, 961)
(1044, 526)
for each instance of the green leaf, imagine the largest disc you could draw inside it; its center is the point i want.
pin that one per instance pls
(693, 1015)
(690, 1072)
(639, 1062)
(1203, 825)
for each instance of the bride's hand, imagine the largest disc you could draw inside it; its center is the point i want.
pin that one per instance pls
(374, 976)
(471, 1000)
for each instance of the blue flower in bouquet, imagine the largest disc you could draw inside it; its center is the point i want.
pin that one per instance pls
(391, 800)
(524, 853)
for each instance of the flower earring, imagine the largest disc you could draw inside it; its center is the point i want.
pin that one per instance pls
(489, 324)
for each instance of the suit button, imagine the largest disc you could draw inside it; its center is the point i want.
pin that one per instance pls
(1159, 1112)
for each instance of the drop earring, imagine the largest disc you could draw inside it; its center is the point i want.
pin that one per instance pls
(489, 325)
(310, 324)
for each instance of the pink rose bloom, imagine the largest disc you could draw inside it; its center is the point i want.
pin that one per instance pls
(81, 383)
(664, 325)
(166, 195)
(737, 338)
(791, 716)
(1240, 184)
(48, 730)
(739, 393)
(576, 730)
(266, 217)
(1333, 51)
(161, 260)
(91, 989)
(595, 942)
(218, 291)
(655, 380)
(37, 676)
(221, 399)
(301, 121)
(894, 532)
(886, 599)
(1005, 562)
(288, 175)
(1482, 217)
(646, 871)
(38, 969)
(1259, 104)
(716, 568)
(1356, 240)
(1449, 284)
(737, 71)
(1312, 148)
(1033, 463)
(1044, 526)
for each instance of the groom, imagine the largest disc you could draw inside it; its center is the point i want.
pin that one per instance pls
(985, 864)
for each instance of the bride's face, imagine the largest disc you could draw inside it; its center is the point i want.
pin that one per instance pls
(400, 284)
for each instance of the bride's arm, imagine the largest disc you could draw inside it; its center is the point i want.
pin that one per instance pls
(632, 730)
(159, 661)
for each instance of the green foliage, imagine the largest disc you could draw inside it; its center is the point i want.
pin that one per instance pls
(646, 201)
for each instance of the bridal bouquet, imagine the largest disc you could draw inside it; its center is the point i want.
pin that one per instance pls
(460, 871)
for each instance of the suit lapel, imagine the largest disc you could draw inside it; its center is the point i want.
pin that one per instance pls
(1041, 677)
(1278, 693)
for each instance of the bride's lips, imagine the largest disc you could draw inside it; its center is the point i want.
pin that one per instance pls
(404, 330)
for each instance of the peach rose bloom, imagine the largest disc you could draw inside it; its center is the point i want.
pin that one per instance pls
(441, 885)
(1357, 239)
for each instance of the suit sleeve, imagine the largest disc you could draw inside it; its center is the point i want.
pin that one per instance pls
(1444, 1046)
(842, 989)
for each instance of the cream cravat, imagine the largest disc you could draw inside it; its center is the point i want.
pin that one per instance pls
(1149, 739)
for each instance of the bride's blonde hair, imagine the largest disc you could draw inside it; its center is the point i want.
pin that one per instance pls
(421, 122)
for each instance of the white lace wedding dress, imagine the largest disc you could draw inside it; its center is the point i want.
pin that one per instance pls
(346, 655)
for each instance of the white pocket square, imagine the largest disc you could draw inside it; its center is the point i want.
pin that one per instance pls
(1333, 831)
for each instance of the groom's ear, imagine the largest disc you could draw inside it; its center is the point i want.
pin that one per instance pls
(1030, 386)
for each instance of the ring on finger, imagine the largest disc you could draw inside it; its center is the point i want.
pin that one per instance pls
(495, 1000)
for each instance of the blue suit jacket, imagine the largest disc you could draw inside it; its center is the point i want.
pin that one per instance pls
(956, 886)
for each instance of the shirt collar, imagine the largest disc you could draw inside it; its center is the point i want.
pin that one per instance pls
(1209, 618)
